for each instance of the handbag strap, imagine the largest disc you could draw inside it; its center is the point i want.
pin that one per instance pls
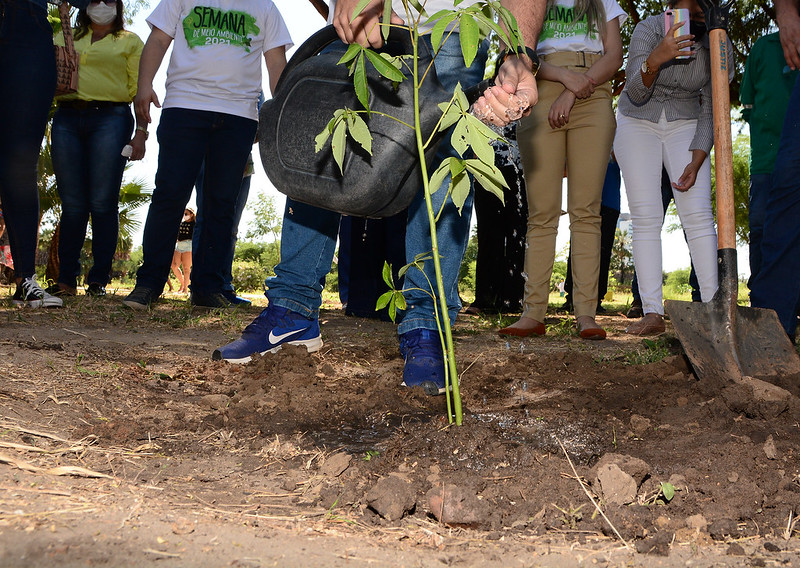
(66, 28)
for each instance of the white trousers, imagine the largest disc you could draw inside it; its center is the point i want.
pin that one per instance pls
(641, 148)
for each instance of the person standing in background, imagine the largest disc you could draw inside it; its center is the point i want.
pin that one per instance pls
(27, 62)
(777, 284)
(766, 87)
(90, 130)
(183, 251)
(210, 116)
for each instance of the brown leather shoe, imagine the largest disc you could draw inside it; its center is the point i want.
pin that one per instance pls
(538, 329)
(589, 329)
(647, 326)
(592, 333)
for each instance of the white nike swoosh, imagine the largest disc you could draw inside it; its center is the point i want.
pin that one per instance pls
(275, 339)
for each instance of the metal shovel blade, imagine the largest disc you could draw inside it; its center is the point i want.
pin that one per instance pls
(726, 342)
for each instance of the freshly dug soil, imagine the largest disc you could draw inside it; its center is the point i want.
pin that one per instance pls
(123, 444)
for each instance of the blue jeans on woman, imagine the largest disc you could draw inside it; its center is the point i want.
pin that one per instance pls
(28, 71)
(777, 283)
(86, 146)
(186, 137)
(308, 237)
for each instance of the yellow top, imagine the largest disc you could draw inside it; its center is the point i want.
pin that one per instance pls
(108, 69)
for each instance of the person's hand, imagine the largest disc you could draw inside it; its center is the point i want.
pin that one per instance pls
(138, 145)
(579, 83)
(689, 176)
(141, 102)
(365, 29)
(670, 47)
(511, 97)
(789, 27)
(560, 109)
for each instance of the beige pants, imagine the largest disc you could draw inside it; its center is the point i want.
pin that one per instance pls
(582, 147)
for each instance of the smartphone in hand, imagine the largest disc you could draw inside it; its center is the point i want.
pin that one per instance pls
(675, 16)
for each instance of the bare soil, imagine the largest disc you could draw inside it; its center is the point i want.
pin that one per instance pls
(123, 444)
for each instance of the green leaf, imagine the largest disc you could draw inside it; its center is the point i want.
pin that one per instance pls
(439, 28)
(360, 82)
(461, 99)
(418, 7)
(490, 23)
(387, 18)
(481, 146)
(469, 34)
(439, 175)
(451, 115)
(338, 144)
(350, 54)
(359, 131)
(668, 490)
(387, 275)
(488, 176)
(322, 137)
(461, 187)
(384, 300)
(359, 8)
(475, 125)
(384, 67)
(459, 137)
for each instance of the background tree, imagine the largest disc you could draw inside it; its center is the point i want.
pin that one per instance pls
(621, 255)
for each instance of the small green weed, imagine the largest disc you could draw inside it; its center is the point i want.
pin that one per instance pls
(652, 350)
(564, 328)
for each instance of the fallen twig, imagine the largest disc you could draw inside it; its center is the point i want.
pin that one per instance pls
(589, 495)
(62, 470)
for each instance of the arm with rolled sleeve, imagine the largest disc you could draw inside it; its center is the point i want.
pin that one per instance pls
(643, 41)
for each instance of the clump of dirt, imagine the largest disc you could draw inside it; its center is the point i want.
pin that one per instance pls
(611, 445)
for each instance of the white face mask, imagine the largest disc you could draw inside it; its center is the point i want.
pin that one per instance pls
(102, 14)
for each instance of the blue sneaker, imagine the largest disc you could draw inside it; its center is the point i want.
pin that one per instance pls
(236, 300)
(422, 351)
(274, 327)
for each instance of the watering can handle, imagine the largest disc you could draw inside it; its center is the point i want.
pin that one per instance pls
(327, 35)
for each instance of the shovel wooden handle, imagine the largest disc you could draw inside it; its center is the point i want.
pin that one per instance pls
(723, 148)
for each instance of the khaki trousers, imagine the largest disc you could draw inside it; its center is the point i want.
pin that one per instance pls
(583, 147)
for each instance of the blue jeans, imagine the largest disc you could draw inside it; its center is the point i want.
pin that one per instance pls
(308, 239)
(28, 71)
(86, 146)
(241, 202)
(186, 138)
(777, 283)
(760, 185)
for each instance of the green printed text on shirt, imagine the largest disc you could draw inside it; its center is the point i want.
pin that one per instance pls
(212, 26)
(559, 24)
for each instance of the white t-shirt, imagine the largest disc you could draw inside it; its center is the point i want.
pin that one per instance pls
(431, 7)
(217, 52)
(559, 33)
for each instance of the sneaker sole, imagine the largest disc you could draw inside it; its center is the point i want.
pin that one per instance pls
(135, 305)
(312, 345)
(429, 387)
(53, 303)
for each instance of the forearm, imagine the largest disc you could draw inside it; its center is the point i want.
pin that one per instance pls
(529, 15)
(786, 9)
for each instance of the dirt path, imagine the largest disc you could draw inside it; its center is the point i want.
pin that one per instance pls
(122, 444)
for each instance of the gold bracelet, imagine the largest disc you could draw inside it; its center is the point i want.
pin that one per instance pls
(143, 129)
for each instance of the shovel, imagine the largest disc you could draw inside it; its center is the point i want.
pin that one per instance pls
(726, 343)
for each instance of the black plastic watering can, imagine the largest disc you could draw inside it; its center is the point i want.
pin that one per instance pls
(310, 89)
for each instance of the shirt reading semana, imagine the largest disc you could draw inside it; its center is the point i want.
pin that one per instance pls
(561, 33)
(218, 51)
(109, 68)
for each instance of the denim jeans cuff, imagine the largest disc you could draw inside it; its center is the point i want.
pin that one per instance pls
(410, 324)
(294, 306)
